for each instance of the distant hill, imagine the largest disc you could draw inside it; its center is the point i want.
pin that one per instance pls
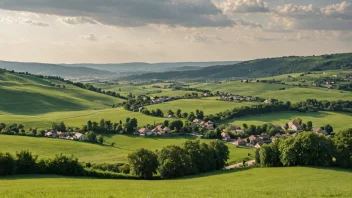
(123, 69)
(52, 69)
(257, 68)
(30, 95)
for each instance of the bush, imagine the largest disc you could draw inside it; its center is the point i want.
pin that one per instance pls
(343, 144)
(26, 162)
(63, 165)
(7, 164)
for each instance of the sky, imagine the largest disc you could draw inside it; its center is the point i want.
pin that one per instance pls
(115, 31)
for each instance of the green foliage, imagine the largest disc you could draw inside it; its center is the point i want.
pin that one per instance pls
(144, 163)
(26, 162)
(7, 164)
(220, 154)
(176, 125)
(91, 136)
(59, 126)
(343, 143)
(64, 165)
(100, 139)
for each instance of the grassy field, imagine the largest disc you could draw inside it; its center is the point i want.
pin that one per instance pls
(208, 105)
(87, 152)
(78, 118)
(22, 94)
(291, 93)
(339, 121)
(256, 182)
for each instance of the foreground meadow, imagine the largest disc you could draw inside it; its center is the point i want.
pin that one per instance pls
(95, 153)
(257, 182)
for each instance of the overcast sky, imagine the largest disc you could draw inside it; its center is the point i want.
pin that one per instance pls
(105, 31)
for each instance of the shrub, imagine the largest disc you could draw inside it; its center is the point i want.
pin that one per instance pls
(26, 162)
(64, 165)
(7, 164)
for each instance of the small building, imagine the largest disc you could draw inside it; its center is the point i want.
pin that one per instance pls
(80, 137)
(239, 142)
(318, 130)
(259, 144)
(293, 126)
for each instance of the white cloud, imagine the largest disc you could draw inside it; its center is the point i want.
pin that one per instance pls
(89, 37)
(244, 6)
(199, 37)
(33, 22)
(77, 20)
(341, 10)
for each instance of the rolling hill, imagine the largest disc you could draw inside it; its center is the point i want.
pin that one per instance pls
(257, 68)
(29, 95)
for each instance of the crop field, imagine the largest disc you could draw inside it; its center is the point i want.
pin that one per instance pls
(208, 105)
(28, 95)
(259, 182)
(339, 121)
(265, 90)
(87, 152)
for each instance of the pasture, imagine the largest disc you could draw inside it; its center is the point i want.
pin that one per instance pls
(29, 95)
(208, 105)
(87, 152)
(339, 121)
(257, 182)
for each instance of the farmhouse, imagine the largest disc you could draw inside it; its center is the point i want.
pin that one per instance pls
(80, 137)
(143, 131)
(318, 130)
(293, 126)
(225, 136)
(52, 134)
(239, 142)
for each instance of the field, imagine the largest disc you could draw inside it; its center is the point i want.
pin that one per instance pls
(208, 105)
(87, 152)
(339, 121)
(259, 182)
(28, 95)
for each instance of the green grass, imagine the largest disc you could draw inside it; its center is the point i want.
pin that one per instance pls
(339, 121)
(78, 118)
(256, 182)
(87, 152)
(265, 90)
(22, 94)
(208, 105)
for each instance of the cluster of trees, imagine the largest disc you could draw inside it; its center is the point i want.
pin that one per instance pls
(106, 126)
(313, 105)
(308, 149)
(14, 127)
(345, 87)
(177, 161)
(191, 89)
(156, 113)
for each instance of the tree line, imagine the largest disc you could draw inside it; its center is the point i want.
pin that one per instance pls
(173, 161)
(308, 149)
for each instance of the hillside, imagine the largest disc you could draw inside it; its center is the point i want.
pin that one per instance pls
(26, 94)
(258, 68)
(52, 69)
(256, 182)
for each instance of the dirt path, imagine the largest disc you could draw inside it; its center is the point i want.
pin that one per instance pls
(239, 165)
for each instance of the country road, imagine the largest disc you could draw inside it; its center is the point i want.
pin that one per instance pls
(239, 165)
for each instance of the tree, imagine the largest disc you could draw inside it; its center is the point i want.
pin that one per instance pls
(269, 155)
(170, 113)
(178, 113)
(92, 137)
(59, 126)
(221, 153)
(7, 164)
(144, 163)
(191, 116)
(176, 125)
(100, 139)
(328, 128)
(89, 126)
(174, 162)
(166, 123)
(245, 126)
(26, 162)
(309, 126)
(184, 115)
(343, 144)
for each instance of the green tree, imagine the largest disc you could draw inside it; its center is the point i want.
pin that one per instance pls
(221, 153)
(176, 125)
(328, 128)
(178, 113)
(92, 137)
(309, 126)
(26, 162)
(100, 139)
(144, 163)
(7, 164)
(343, 144)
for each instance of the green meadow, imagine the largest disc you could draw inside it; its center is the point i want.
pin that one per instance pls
(258, 182)
(208, 105)
(29, 95)
(339, 121)
(87, 152)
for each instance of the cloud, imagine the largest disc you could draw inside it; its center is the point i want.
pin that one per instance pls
(310, 17)
(131, 13)
(199, 37)
(4, 18)
(244, 6)
(36, 23)
(89, 37)
(248, 24)
(77, 20)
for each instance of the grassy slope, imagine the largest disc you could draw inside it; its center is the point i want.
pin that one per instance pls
(257, 182)
(338, 120)
(21, 94)
(78, 118)
(264, 90)
(208, 105)
(86, 152)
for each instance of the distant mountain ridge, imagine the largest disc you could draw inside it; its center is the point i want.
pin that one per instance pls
(257, 68)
